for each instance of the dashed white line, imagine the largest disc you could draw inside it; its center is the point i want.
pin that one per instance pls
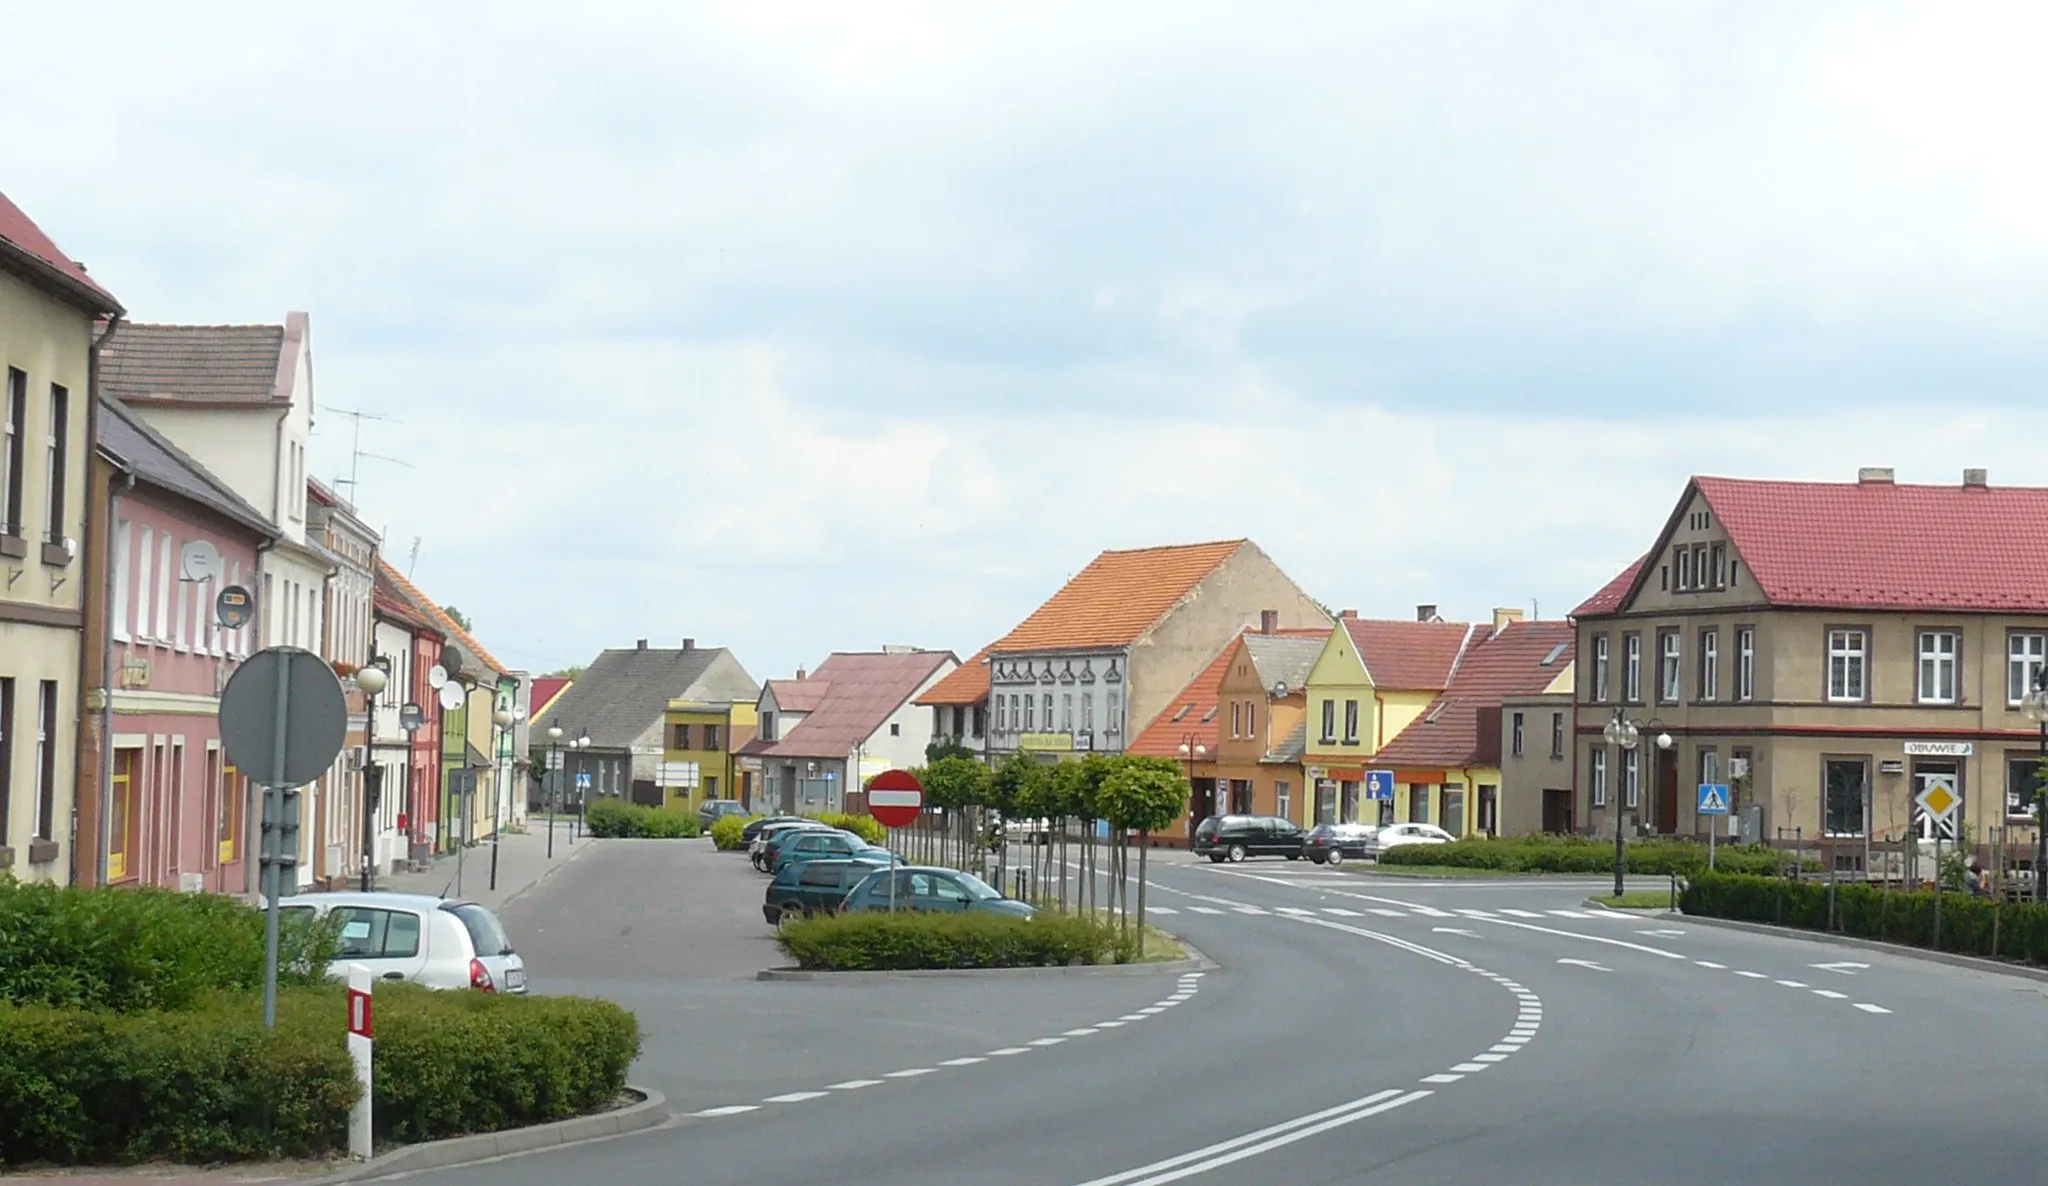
(794, 1097)
(855, 1084)
(1712, 964)
(1872, 1008)
(1252, 910)
(1791, 984)
(1045, 1041)
(1110, 1025)
(1082, 1032)
(1520, 913)
(1570, 913)
(1340, 912)
(1492, 1056)
(728, 1110)
(969, 1061)
(1204, 910)
(1161, 910)
(1291, 910)
(1469, 1068)
(1383, 912)
(912, 1073)
(1007, 1051)
(1831, 994)
(1441, 1078)
(1751, 975)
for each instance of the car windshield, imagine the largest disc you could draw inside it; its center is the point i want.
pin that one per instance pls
(484, 931)
(977, 889)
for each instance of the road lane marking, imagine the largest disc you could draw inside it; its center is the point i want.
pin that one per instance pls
(1132, 1017)
(1570, 913)
(1204, 910)
(1587, 964)
(1161, 910)
(912, 1073)
(1831, 994)
(969, 1061)
(1252, 910)
(1151, 1010)
(1712, 964)
(1007, 1051)
(1045, 1041)
(794, 1097)
(1663, 933)
(1872, 1008)
(1469, 1068)
(1520, 913)
(1791, 984)
(1468, 912)
(1109, 1025)
(728, 1110)
(1643, 947)
(1291, 910)
(1503, 1048)
(1340, 912)
(1455, 931)
(1494, 1055)
(1431, 912)
(1252, 1144)
(857, 1084)
(1441, 1078)
(1082, 1032)
(1845, 967)
(1751, 975)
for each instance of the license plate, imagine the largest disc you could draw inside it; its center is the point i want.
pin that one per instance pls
(515, 979)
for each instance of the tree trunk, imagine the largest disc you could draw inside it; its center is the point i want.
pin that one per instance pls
(1142, 846)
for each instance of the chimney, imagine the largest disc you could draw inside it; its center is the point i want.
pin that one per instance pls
(800, 673)
(1978, 478)
(1269, 621)
(689, 644)
(1874, 475)
(1502, 616)
(1426, 613)
(640, 644)
(1347, 613)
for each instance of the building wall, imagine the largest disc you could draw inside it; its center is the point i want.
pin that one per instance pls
(42, 595)
(1226, 601)
(239, 445)
(1097, 680)
(1540, 767)
(390, 748)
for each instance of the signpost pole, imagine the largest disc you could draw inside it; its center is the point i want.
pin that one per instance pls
(359, 1031)
(274, 873)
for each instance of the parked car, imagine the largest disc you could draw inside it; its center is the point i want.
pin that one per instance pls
(810, 844)
(714, 810)
(759, 850)
(1395, 835)
(924, 887)
(1332, 844)
(754, 827)
(427, 940)
(1235, 837)
(816, 887)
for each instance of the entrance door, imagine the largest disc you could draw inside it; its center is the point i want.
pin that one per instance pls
(1557, 812)
(1667, 791)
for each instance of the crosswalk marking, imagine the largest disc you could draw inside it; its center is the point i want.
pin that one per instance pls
(1571, 914)
(1383, 912)
(1519, 913)
(1340, 912)
(1161, 910)
(1204, 910)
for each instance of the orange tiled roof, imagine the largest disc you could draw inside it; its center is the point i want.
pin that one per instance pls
(1118, 597)
(1521, 659)
(1408, 656)
(440, 618)
(965, 684)
(1193, 711)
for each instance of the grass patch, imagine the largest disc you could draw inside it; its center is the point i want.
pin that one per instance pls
(1656, 899)
(1454, 872)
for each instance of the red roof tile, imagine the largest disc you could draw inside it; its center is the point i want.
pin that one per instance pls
(1612, 594)
(1118, 597)
(440, 619)
(800, 695)
(964, 685)
(1883, 546)
(1408, 656)
(1194, 711)
(1496, 666)
(545, 689)
(19, 231)
(861, 690)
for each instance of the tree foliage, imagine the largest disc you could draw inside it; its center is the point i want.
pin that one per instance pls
(1142, 793)
(1023, 787)
(461, 619)
(945, 747)
(955, 782)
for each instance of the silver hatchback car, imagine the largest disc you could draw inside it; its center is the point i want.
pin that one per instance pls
(432, 941)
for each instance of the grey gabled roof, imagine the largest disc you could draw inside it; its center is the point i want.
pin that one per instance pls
(1283, 659)
(135, 446)
(625, 691)
(220, 364)
(1289, 751)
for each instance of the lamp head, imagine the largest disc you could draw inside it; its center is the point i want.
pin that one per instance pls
(371, 680)
(502, 719)
(554, 732)
(1663, 741)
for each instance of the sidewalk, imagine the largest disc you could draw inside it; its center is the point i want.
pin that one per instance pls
(523, 863)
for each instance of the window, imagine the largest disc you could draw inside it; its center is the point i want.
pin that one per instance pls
(1600, 665)
(1236, 719)
(895, 728)
(711, 737)
(1745, 663)
(122, 817)
(54, 479)
(1710, 664)
(1088, 712)
(768, 721)
(1842, 781)
(979, 715)
(1030, 713)
(1418, 803)
(1351, 722)
(1329, 722)
(1517, 732)
(1719, 552)
(1632, 778)
(1709, 765)
(6, 754)
(46, 761)
(1684, 563)
(2026, 654)
(1938, 650)
(1113, 710)
(1632, 668)
(1451, 808)
(1699, 566)
(12, 458)
(1283, 798)
(1847, 654)
(1347, 798)
(1066, 712)
(1048, 712)
(682, 739)
(2021, 801)
(1597, 775)
(371, 933)
(1668, 673)
(1557, 735)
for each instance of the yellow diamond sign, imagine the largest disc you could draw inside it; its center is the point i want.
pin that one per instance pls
(1938, 798)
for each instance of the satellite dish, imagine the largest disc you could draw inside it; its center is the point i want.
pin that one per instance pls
(1279, 689)
(437, 676)
(198, 561)
(451, 696)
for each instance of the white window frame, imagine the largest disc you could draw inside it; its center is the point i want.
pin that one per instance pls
(1601, 686)
(1670, 666)
(1938, 671)
(1236, 719)
(11, 430)
(1351, 721)
(1848, 671)
(1710, 664)
(1745, 663)
(1329, 735)
(2026, 651)
(1632, 668)
(1632, 778)
(1684, 566)
(124, 575)
(1519, 733)
(1597, 774)
(1114, 714)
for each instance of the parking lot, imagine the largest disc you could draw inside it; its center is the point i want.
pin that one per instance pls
(672, 929)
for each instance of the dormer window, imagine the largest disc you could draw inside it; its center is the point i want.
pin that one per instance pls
(1719, 552)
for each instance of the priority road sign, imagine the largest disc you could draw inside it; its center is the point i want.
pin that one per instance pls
(1379, 784)
(1713, 798)
(1938, 798)
(895, 798)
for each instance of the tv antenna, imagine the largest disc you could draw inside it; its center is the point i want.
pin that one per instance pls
(413, 560)
(356, 452)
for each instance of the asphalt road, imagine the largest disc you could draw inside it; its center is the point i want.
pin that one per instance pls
(1360, 1029)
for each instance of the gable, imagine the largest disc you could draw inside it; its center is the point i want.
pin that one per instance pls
(1694, 564)
(1339, 664)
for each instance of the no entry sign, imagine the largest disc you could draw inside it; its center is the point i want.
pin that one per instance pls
(895, 798)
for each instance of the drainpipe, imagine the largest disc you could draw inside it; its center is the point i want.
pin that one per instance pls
(92, 433)
(251, 810)
(122, 484)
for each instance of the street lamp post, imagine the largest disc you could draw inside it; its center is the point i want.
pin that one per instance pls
(503, 720)
(554, 789)
(581, 743)
(2035, 705)
(1625, 735)
(1192, 751)
(371, 680)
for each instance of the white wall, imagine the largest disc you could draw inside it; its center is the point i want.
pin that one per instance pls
(913, 724)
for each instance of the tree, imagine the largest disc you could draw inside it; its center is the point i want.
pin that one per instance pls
(460, 618)
(1142, 794)
(945, 747)
(571, 674)
(1025, 785)
(956, 784)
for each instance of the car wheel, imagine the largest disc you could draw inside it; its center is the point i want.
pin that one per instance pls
(1336, 856)
(1215, 858)
(1236, 853)
(1319, 858)
(1293, 856)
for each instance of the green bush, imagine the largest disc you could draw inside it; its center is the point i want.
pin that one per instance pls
(138, 950)
(211, 1084)
(726, 829)
(616, 818)
(866, 827)
(1581, 854)
(1969, 925)
(910, 939)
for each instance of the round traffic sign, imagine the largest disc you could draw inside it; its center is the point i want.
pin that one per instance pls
(895, 798)
(283, 717)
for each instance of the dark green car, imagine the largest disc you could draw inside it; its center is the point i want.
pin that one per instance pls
(928, 887)
(816, 887)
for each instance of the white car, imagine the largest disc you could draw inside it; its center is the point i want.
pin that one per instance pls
(427, 940)
(1395, 835)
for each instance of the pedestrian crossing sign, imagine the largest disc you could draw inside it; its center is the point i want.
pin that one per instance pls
(1713, 798)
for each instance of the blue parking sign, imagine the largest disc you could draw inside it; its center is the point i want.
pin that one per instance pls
(1379, 784)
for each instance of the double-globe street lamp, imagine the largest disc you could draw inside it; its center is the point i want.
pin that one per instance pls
(2035, 705)
(504, 719)
(370, 680)
(1192, 751)
(1625, 735)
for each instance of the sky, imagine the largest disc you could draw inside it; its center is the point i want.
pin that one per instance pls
(801, 327)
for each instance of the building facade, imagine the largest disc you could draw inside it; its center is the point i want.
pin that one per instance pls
(1536, 772)
(347, 642)
(48, 359)
(863, 719)
(1373, 679)
(701, 761)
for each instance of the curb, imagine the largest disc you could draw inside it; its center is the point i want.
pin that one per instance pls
(1975, 963)
(1196, 962)
(650, 1112)
(553, 868)
(1597, 904)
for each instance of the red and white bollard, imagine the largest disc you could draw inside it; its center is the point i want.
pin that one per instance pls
(359, 1144)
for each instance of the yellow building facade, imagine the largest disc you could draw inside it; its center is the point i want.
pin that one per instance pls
(700, 743)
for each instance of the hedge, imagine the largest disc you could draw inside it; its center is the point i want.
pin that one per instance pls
(211, 1084)
(1580, 854)
(866, 827)
(1969, 925)
(141, 949)
(616, 818)
(909, 940)
(726, 829)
